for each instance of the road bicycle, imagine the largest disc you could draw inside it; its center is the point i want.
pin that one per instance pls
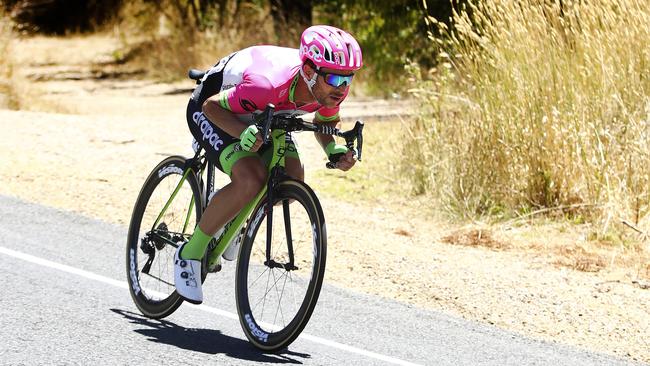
(279, 274)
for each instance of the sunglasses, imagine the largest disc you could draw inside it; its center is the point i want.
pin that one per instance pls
(335, 80)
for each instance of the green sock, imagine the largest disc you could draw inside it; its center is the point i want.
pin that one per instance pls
(195, 248)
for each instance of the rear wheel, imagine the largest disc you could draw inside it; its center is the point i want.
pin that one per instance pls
(277, 295)
(153, 238)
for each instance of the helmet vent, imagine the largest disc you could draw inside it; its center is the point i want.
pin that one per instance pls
(327, 55)
(350, 55)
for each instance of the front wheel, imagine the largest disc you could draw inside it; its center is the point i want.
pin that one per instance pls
(277, 293)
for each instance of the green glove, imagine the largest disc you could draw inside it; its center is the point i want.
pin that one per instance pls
(248, 138)
(334, 151)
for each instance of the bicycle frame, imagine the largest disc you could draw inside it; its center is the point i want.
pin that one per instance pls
(195, 179)
(278, 144)
(232, 228)
(171, 198)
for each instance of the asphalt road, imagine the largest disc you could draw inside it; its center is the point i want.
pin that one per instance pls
(64, 301)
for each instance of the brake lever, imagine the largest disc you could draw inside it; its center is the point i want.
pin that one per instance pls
(266, 126)
(355, 134)
(359, 127)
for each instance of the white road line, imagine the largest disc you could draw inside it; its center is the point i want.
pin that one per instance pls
(226, 314)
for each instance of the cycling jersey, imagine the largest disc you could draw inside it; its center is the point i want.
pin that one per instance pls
(253, 77)
(245, 82)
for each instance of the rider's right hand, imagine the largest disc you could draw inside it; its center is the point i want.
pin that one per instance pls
(251, 140)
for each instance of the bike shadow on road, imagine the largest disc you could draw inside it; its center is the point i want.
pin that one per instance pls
(207, 341)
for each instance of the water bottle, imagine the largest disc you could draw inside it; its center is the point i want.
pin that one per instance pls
(233, 248)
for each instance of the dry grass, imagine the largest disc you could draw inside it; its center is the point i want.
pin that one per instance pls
(166, 45)
(16, 91)
(581, 259)
(8, 94)
(537, 106)
(568, 245)
(594, 257)
(475, 238)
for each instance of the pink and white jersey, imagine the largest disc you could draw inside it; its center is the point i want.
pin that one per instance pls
(258, 75)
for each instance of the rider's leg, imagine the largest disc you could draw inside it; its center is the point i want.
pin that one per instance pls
(294, 167)
(292, 162)
(247, 179)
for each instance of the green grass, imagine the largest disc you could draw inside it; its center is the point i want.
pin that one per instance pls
(376, 177)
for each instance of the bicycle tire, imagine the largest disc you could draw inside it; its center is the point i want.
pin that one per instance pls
(260, 332)
(163, 301)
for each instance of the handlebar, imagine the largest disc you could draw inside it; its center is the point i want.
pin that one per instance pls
(266, 122)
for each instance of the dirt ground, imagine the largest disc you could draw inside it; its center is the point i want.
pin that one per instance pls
(89, 137)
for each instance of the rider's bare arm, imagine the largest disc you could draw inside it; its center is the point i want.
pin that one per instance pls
(324, 140)
(223, 118)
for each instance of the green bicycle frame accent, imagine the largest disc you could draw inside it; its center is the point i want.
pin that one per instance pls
(171, 198)
(277, 159)
(234, 226)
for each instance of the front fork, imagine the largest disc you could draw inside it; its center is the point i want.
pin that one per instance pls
(277, 174)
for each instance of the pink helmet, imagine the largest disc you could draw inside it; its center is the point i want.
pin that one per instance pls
(330, 47)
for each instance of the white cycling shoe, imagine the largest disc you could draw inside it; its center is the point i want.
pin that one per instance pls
(187, 277)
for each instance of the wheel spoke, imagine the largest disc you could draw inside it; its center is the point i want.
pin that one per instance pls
(279, 310)
(160, 280)
(258, 277)
(268, 289)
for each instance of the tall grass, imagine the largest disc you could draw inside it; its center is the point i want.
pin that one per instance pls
(8, 94)
(538, 105)
(16, 91)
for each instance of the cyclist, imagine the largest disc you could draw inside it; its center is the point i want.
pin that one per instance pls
(315, 78)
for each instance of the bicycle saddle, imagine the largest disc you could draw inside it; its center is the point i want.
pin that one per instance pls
(195, 74)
